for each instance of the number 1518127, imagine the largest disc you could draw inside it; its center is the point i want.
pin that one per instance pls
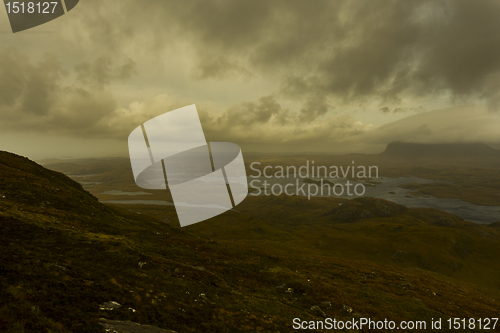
(31, 7)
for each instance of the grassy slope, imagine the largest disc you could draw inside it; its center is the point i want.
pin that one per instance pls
(62, 253)
(415, 238)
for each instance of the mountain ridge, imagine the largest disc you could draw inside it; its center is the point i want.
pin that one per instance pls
(439, 150)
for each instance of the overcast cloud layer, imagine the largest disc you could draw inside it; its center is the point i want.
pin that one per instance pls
(283, 76)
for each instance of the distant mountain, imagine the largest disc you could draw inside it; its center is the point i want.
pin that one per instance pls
(419, 150)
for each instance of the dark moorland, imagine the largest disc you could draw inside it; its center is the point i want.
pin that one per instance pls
(63, 255)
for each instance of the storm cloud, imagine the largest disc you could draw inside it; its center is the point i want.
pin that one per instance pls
(344, 49)
(283, 72)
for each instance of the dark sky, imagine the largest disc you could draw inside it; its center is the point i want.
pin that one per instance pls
(279, 76)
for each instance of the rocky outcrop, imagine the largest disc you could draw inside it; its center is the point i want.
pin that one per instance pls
(365, 208)
(130, 327)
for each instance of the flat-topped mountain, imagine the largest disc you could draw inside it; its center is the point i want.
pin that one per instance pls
(419, 150)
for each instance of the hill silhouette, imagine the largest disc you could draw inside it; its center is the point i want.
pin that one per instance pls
(419, 150)
(363, 208)
(72, 264)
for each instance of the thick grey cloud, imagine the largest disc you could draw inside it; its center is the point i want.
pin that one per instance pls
(37, 97)
(321, 60)
(102, 71)
(456, 124)
(345, 50)
(25, 87)
(267, 109)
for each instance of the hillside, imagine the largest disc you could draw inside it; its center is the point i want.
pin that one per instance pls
(64, 255)
(460, 150)
(373, 230)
